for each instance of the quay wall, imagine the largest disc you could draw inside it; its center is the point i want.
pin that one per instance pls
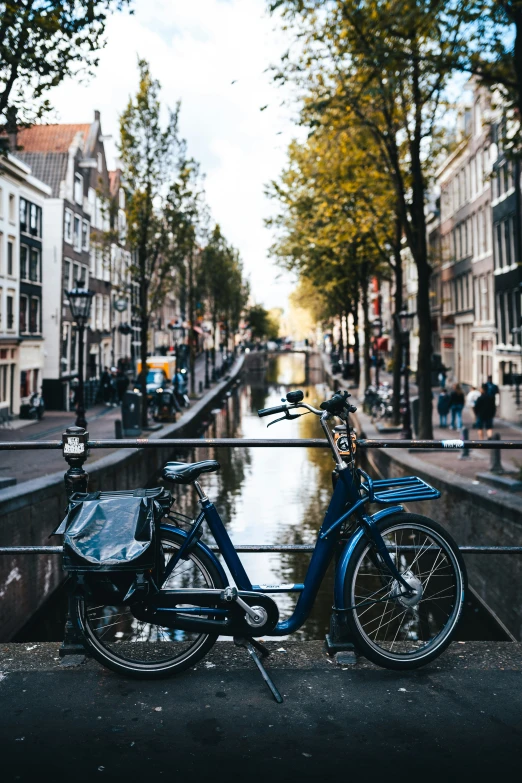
(30, 511)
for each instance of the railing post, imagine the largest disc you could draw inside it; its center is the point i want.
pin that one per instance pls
(76, 480)
(496, 455)
(74, 441)
(465, 436)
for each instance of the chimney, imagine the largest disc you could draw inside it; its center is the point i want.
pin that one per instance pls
(96, 115)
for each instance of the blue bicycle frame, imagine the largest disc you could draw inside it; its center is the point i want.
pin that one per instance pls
(352, 491)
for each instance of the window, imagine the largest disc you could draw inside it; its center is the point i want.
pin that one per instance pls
(78, 188)
(74, 338)
(498, 247)
(34, 315)
(34, 265)
(100, 162)
(35, 220)
(68, 225)
(23, 214)
(65, 346)
(10, 251)
(77, 233)
(1, 202)
(85, 235)
(23, 314)
(478, 119)
(10, 311)
(12, 207)
(66, 278)
(24, 255)
(77, 276)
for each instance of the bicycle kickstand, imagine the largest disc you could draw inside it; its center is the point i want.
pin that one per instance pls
(250, 646)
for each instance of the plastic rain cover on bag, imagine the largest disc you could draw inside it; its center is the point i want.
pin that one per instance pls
(111, 534)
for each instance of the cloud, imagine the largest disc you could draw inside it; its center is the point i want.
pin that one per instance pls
(197, 49)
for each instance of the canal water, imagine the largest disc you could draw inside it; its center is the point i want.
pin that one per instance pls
(268, 496)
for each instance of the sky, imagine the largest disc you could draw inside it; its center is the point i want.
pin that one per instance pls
(197, 48)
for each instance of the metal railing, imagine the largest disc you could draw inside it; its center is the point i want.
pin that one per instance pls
(76, 479)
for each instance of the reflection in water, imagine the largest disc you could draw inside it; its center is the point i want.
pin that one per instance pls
(270, 496)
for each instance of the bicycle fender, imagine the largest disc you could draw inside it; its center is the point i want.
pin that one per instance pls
(198, 545)
(342, 565)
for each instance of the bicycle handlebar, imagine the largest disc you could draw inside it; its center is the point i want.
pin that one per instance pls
(272, 411)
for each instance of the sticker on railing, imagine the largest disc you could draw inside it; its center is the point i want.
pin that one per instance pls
(453, 444)
(73, 446)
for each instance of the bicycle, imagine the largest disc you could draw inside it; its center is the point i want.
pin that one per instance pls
(400, 580)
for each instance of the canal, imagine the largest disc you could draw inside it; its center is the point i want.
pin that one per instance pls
(268, 496)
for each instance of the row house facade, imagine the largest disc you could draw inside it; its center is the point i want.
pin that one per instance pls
(461, 242)
(22, 198)
(85, 235)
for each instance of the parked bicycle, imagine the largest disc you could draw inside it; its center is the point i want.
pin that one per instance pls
(400, 580)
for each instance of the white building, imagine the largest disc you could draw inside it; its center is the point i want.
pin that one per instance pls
(22, 199)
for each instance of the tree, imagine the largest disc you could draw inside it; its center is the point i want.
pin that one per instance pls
(261, 324)
(148, 155)
(41, 43)
(384, 68)
(186, 218)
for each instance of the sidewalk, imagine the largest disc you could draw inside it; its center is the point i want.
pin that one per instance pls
(478, 461)
(27, 465)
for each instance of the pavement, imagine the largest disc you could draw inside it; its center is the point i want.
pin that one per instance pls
(478, 461)
(457, 719)
(27, 465)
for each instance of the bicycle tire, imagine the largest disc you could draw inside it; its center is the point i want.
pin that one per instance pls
(451, 567)
(110, 651)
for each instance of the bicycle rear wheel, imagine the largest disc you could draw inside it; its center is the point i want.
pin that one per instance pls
(130, 646)
(391, 627)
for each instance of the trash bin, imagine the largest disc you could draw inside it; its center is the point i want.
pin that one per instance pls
(414, 404)
(131, 414)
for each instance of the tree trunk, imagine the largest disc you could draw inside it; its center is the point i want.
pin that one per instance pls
(367, 330)
(425, 354)
(341, 340)
(397, 340)
(346, 314)
(192, 343)
(144, 337)
(356, 344)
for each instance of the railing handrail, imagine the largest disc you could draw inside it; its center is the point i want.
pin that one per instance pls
(260, 548)
(454, 444)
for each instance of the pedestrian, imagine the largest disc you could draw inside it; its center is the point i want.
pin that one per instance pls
(122, 383)
(106, 387)
(442, 380)
(443, 407)
(471, 398)
(485, 409)
(492, 388)
(114, 387)
(456, 404)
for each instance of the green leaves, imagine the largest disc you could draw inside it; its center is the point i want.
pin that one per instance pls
(41, 43)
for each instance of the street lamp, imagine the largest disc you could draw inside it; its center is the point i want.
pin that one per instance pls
(404, 325)
(377, 334)
(80, 300)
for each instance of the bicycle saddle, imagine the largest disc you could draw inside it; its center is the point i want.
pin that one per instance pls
(187, 472)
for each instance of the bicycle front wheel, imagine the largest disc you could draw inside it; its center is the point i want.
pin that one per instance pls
(394, 628)
(118, 640)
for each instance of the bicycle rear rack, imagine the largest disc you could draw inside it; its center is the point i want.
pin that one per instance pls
(407, 488)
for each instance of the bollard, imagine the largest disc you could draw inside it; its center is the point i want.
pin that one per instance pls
(464, 434)
(118, 429)
(496, 455)
(201, 387)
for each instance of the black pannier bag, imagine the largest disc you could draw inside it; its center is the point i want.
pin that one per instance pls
(111, 542)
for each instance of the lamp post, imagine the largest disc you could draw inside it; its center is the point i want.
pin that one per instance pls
(377, 334)
(403, 322)
(120, 305)
(80, 300)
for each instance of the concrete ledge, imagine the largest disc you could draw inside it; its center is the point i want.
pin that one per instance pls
(457, 719)
(505, 482)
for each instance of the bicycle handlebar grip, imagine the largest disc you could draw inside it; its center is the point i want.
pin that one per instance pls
(271, 411)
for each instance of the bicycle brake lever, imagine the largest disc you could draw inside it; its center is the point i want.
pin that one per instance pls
(286, 416)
